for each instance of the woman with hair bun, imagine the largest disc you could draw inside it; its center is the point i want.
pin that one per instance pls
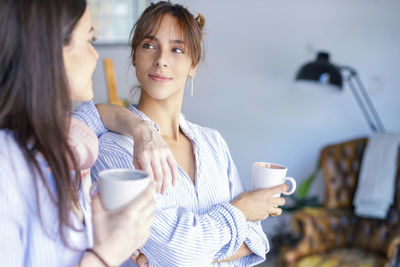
(206, 219)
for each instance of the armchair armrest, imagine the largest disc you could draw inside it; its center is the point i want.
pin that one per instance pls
(321, 230)
(393, 253)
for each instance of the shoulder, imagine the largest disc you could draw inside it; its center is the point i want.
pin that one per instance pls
(15, 169)
(111, 141)
(10, 152)
(88, 113)
(115, 151)
(115, 145)
(85, 111)
(15, 176)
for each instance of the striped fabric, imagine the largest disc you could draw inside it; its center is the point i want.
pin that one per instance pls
(195, 223)
(24, 240)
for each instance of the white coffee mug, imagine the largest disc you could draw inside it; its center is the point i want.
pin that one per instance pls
(266, 174)
(118, 187)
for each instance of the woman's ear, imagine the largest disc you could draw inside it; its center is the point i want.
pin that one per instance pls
(192, 71)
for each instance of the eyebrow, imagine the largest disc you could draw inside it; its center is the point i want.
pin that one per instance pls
(151, 37)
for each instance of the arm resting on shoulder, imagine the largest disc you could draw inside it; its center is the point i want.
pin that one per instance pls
(102, 118)
(123, 121)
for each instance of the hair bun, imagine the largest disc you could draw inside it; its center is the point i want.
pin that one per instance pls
(200, 20)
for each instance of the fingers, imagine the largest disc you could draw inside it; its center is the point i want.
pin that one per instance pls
(277, 212)
(134, 257)
(143, 200)
(97, 205)
(156, 159)
(147, 212)
(158, 174)
(278, 189)
(279, 201)
(174, 168)
(166, 181)
(139, 259)
(147, 169)
(143, 162)
(142, 260)
(136, 163)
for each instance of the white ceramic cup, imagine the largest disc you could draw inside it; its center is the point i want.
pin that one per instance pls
(118, 187)
(266, 174)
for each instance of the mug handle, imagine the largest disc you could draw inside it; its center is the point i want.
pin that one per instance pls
(293, 182)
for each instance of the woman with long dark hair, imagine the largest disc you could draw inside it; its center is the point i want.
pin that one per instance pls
(47, 60)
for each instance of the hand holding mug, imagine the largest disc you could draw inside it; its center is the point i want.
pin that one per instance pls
(122, 214)
(259, 204)
(267, 175)
(119, 232)
(268, 184)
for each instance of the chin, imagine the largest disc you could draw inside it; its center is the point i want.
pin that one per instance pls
(159, 93)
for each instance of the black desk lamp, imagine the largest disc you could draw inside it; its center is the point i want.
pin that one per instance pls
(322, 71)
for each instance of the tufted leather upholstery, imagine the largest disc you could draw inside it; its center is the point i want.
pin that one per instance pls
(335, 225)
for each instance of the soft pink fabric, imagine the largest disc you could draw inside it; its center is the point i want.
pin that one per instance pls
(84, 144)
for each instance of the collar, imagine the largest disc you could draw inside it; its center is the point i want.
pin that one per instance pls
(183, 124)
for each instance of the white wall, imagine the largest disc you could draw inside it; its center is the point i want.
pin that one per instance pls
(245, 87)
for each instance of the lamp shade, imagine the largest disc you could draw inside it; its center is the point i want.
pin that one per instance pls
(321, 70)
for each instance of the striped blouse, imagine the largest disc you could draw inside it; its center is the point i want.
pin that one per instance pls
(195, 223)
(26, 240)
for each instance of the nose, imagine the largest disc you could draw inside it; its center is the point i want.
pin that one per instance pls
(161, 59)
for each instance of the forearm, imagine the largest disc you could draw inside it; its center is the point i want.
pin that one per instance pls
(177, 232)
(242, 252)
(121, 120)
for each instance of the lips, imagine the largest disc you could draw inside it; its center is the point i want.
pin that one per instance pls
(159, 78)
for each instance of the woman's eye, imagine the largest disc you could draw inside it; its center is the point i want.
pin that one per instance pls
(148, 46)
(178, 51)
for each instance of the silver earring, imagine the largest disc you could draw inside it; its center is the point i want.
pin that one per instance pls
(191, 83)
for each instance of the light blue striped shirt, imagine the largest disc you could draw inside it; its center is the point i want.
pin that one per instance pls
(195, 223)
(24, 240)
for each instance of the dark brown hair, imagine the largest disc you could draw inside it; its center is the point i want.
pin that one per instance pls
(34, 95)
(190, 27)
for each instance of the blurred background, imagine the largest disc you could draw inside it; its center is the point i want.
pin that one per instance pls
(245, 86)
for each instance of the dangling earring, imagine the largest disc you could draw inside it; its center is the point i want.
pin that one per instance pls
(191, 83)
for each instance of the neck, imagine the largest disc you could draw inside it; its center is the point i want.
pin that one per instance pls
(166, 113)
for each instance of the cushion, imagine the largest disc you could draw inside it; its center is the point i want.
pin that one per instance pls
(350, 257)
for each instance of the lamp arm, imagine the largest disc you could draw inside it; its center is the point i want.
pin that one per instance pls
(371, 106)
(367, 108)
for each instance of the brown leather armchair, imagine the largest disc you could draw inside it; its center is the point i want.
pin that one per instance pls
(333, 232)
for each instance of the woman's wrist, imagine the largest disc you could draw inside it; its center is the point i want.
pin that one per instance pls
(143, 130)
